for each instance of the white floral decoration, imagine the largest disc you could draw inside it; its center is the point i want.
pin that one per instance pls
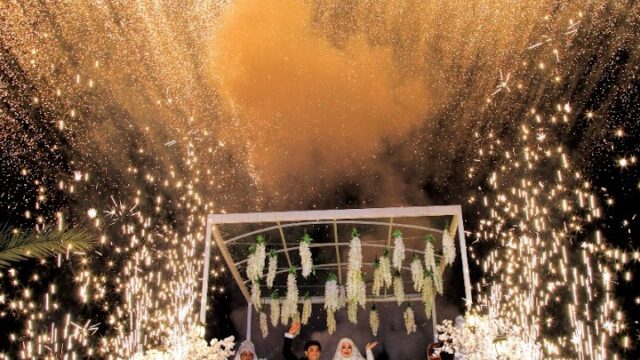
(356, 290)
(448, 247)
(398, 289)
(429, 254)
(355, 251)
(285, 312)
(306, 310)
(272, 268)
(275, 309)
(305, 255)
(385, 265)
(290, 305)
(427, 293)
(398, 250)
(437, 279)
(256, 260)
(409, 320)
(378, 278)
(352, 311)
(342, 300)
(255, 295)
(374, 321)
(192, 346)
(264, 327)
(417, 273)
(331, 322)
(331, 294)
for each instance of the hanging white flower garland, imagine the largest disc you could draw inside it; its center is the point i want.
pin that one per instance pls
(437, 279)
(306, 309)
(331, 322)
(290, 305)
(331, 293)
(398, 288)
(427, 293)
(448, 247)
(342, 300)
(272, 268)
(264, 327)
(275, 309)
(398, 250)
(417, 273)
(255, 295)
(256, 260)
(378, 278)
(352, 312)
(385, 267)
(374, 320)
(409, 320)
(305, 255)
(356, 289)
(429, 254)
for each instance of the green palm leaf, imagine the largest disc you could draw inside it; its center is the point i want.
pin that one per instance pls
(21, 245)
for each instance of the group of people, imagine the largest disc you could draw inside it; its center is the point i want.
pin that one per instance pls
(346, 349)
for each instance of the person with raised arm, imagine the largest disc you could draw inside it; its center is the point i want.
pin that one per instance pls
(312, 348)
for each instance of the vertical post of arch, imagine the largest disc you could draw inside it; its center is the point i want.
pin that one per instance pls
(205, 272)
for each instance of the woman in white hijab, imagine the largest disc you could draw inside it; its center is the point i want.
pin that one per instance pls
(246, 351)
(347, 350)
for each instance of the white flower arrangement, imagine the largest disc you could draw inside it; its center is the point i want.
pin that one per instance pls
(378, 278)
(429, 254)
(450, 336)
(398, 250)
(478, 336)
(437, 279)
(331, 322)
(305, 255)
(417, 273)
(306, 309)
(385, 265)
(256, 260)
(398, 288)
(448, 247)
(427, 293)
(264, 326)
(356, 290)
(275, 309)
(352, 312)
(409, 320)
(192, 346)
(355, 251)
(342, 299)
(331, 294)
(374, 320)
(272, 268)
(255, 295)
(290, 305)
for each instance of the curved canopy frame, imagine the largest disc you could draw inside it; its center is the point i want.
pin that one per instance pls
(410, 219)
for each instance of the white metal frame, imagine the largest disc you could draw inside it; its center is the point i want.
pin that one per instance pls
(335, 217)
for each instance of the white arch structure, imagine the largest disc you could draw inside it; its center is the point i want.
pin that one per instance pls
(281, 221)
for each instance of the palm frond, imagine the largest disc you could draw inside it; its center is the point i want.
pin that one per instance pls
(27, 244)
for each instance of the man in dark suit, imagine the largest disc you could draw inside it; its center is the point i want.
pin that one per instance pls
(312, 348)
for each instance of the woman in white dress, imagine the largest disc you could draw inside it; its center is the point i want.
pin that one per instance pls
(347, 350)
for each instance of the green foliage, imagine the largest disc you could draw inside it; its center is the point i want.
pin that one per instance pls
(355, 233)
(397, 233)
(21, 245)
(332, 277)
(430, 238)
(306, 238)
